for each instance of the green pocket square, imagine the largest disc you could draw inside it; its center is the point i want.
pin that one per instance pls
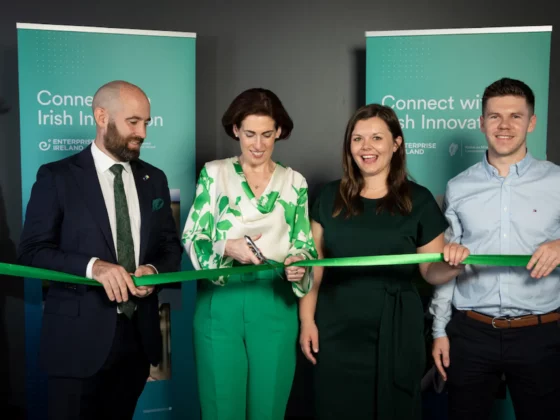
(157, 204)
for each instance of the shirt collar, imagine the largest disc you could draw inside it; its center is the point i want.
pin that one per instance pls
(518, 168)
(103, 162)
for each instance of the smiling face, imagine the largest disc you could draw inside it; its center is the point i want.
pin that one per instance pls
(122, 121)
(505, 123)
(372, 146)
(257, 135)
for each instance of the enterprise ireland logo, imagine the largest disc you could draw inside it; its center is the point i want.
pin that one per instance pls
(64, 145)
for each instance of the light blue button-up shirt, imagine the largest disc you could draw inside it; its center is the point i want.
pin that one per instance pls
(491, 214)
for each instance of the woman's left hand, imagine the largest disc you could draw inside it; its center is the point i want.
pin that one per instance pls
(454, 254)
(294, 273)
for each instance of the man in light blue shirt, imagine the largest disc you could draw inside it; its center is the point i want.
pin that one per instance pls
(505, 319)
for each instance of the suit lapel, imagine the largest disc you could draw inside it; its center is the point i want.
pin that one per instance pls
(88, 183)
(143, 188)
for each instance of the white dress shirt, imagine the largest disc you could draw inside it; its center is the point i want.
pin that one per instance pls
(103, 163)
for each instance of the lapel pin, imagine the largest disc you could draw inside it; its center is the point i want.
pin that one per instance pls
(146, 177)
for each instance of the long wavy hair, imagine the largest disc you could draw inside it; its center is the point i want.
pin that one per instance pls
(398, 198)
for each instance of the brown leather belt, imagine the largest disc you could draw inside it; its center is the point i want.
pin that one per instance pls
(514, 322)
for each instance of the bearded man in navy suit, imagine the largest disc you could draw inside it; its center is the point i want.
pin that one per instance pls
(106, 215)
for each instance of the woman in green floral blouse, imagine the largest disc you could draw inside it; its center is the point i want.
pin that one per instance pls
(246, 326)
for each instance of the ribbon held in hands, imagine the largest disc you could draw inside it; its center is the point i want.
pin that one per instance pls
(165, 278)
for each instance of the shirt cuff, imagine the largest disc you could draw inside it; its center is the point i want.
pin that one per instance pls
(89, 268)
(438, 334)
(219, 248)
(438, 329)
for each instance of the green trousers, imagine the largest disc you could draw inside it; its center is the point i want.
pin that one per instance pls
(245, 336)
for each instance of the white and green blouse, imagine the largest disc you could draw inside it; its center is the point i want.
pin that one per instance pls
(226, 208)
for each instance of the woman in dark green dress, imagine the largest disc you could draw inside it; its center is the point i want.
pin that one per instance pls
(362, 327)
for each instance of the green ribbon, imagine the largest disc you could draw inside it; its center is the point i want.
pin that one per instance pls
(157, 279)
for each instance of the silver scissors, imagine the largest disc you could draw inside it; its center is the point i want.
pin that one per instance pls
(261, 257)
(256, 250)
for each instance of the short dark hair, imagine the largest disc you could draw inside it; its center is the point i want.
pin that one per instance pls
(509, 87)
(257, 101)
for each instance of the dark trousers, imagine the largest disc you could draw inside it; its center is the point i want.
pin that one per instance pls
(112, 392)
(481, 355)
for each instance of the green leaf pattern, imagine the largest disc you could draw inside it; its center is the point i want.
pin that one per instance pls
(297, 219)
(265, 203)
(201, 231)
(225, 205)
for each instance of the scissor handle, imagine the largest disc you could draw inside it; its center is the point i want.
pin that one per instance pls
(254, 248)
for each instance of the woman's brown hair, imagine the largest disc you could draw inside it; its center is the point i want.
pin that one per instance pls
(398, 199)
(257, 101)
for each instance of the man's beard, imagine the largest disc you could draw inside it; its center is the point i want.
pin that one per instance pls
(117, 145)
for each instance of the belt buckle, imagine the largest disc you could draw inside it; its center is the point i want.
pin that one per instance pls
(501, 318)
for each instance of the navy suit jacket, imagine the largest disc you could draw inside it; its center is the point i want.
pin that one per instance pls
(67, 224)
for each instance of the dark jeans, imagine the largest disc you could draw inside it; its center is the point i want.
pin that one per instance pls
(480, 355)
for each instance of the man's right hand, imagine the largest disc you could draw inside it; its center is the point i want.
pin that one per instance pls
(114, 278)
(440, 353)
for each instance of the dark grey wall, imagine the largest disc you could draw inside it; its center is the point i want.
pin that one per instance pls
(310, 52)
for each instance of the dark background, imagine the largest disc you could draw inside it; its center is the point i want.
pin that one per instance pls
(310, 52)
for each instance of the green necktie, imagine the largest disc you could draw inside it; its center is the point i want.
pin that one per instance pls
(125, 244)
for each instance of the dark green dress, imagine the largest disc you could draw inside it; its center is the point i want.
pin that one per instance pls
(370, 319)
